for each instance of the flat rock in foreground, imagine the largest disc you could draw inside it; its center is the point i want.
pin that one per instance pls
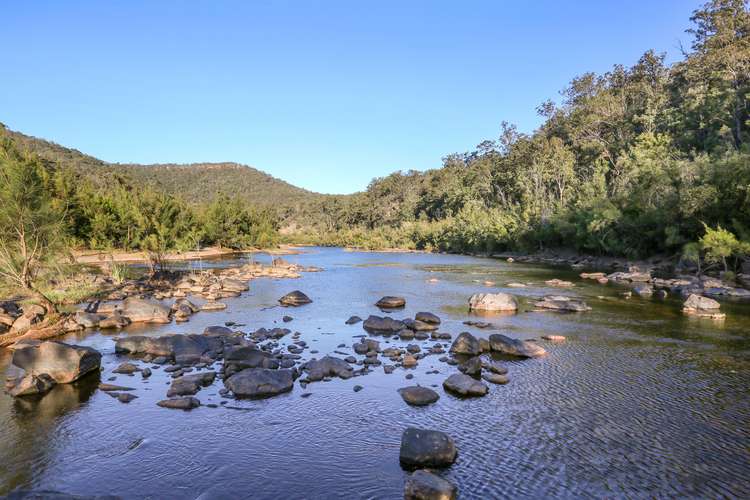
(426, 448)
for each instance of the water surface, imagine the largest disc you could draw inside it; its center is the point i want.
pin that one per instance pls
(640, 401)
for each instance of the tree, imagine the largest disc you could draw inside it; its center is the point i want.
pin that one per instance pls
(30, 227)
(719, 244)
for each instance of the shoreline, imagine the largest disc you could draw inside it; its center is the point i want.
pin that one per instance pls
(101, 258)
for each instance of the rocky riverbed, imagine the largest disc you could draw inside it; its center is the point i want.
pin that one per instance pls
(371, 366)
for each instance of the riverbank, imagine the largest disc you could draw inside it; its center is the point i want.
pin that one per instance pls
(102, 258)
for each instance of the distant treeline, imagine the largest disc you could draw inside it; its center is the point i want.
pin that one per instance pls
(636, 162)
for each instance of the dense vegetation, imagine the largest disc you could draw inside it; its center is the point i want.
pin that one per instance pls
(634, 162)
(643, 160)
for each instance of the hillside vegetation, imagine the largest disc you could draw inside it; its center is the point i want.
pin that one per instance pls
(642, 160)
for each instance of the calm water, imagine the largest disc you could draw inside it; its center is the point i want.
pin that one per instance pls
(639, 402)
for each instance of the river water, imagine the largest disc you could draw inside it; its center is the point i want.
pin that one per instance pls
(640, 401)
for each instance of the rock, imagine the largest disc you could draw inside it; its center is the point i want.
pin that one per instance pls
(287, 319)
(643, 290)
(31, 384)
(240, 358)
(515, 347)
(559, 283)
(419, 326)
(424, 485)
(213, 305)
(409, 361)
(353, 320)
(495, 378)
(391, 302)
(185, 403)
(64, 363)
(217, 331)
(592, 276)
(554, 338)
(123, 397)
(260, 382)
(385, 325)
(464, 385)
(145, 311)
(188, 385)
(492, 302)
(357, 388)
(184, 349)
(633, 276)
(328, 366)
(427, 317)
(114, 320)
(126, 368)
(232, 285)
(562, 303)
(88, 320)
(418, 396)
(494, 367)
(699, 303)
(466, 343)
(472, 366)
(426, 448)
(295, 298)
(114, 388)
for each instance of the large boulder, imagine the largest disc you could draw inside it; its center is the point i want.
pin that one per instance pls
(64, 363)
(515, 347)
(260, 382)
(493, 302)
(295, 298)
(562, 303)
(328, 366)
(418, 396)
(30, 385)
(391, 302)
(424, 485)
(426, 448)
(466, 343)
(145, 311)
(464, 385)
(700, 303)
(383, 325)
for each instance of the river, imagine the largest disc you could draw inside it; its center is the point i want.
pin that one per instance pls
(639, 401)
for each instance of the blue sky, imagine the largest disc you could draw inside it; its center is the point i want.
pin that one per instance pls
(323, 94)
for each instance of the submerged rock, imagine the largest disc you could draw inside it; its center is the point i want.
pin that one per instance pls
(426, 448)
(472, 366)
(188, 385)
(493, 302)
(353, 320)
(424, 485)
(418, 396)
(515, 347)
(495, 378)
(464, 385)
(562, 303)
(700, 303)
(295, 298)
(185, 403)
(260, 382)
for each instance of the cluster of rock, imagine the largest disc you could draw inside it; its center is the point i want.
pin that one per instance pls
(16, 319)
(421, 450)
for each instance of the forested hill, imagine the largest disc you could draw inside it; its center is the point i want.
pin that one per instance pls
(194, 183)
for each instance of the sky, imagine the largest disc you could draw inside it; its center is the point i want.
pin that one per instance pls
(323, 94)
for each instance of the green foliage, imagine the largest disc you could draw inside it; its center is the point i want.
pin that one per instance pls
(719, 244)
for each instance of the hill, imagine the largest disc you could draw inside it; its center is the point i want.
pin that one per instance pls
(194, 183)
